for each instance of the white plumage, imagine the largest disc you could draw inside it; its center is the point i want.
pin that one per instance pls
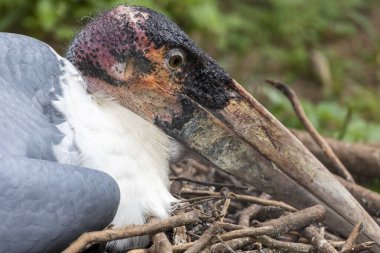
(111, 138)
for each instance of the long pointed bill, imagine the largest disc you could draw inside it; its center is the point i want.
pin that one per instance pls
(147, 64)
(245, 140)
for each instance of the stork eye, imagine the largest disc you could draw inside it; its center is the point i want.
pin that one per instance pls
(176, 59)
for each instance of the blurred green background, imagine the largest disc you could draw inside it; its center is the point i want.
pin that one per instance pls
(329, 51)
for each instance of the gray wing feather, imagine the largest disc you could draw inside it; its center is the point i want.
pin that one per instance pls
(43, 205)
(28, 81)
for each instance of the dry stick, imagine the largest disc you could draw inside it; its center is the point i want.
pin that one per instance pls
(226, 204)
(297, 220)
(179, 234)
(240, 197)
(284, 246)
(234, 244)
(370, 200)
(277, 227)
(362, 160)
(316, 239)
(228, 226)
(198, 166)
(362, 247)
(288, 92)
(247, 213)
(242, 242)
(225, 245)
(264, 250)
(161, 243)
(219, 185)
(205, 239)
(350, 242)
(138, 251)
(270, 213)
(176, 186)
(90, 238)
(246, 232)
(182, 247)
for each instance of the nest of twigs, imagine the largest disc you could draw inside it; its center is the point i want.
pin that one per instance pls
(219, 213)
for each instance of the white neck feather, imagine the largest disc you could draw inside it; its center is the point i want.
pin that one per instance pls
(108, 137)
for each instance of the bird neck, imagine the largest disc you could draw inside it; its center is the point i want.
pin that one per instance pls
(110, 138)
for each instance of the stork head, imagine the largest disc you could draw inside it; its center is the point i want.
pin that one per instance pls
(142, 59)
(150, 66)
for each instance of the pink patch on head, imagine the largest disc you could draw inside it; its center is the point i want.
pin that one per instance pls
(109, 40)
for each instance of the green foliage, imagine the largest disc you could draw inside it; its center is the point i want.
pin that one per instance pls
(253, 39)
(327, 116)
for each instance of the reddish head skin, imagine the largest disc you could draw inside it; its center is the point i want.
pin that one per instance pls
(125, 52)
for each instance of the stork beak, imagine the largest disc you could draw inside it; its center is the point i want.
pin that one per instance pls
(245, 140)
(199, 104)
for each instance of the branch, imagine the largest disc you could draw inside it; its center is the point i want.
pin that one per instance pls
(90, 238)
(284, 246)
(370, 200)
(318, 241)
(252, 210)
(161, 243)
(362, 160)
(240, 197)
(290, 94)
(217, 185)
(350, 242)
(297, 220)
(205, 239)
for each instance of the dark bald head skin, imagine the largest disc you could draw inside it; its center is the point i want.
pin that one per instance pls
(131, 46)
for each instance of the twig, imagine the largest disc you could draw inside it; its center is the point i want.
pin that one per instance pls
(350, 242)
(282, 225)
(228, 226)
(226, 205)
(234, 244)
(284, 246)
(179, 233)
(176, 186)
(240, 197)
(370, 200)
(297, 220)
(252, 210)
(225, 245)
(161, 243)
(88, 239)
(138, 251)
(247, 213)
(204, 240)
(362, 160)
(218, 185)
(198, 166)
(247, 232)
(318, 241)
(277, 227)
(362, 247)
(182, 247)
(270, 212)
(288, 92)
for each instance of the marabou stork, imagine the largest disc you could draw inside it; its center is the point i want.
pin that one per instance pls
(137, 89)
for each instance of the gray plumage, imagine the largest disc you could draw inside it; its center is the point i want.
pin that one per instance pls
(43, 205)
